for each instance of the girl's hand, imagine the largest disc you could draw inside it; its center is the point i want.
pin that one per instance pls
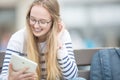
(60, 31)
(20, 75)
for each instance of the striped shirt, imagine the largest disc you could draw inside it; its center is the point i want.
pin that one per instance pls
(65, 55)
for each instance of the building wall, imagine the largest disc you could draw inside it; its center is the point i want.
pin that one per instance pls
(92, 23)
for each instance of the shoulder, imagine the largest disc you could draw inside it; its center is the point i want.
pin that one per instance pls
(65, 33)
(16, 41)
(19, 34)
(65, 36)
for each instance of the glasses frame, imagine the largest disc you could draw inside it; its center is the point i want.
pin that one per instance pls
(39, 22)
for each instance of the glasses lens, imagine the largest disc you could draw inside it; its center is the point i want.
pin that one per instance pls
(42, 23)
(32, 21)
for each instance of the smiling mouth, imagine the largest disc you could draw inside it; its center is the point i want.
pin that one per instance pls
(38, 30)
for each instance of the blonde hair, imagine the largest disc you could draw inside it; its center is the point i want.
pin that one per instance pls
(33, 53)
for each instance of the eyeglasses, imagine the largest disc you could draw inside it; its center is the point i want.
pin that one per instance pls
(42, 22)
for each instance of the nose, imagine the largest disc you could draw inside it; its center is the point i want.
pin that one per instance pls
(36, 25)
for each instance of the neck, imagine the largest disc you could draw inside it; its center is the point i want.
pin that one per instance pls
(42, 39)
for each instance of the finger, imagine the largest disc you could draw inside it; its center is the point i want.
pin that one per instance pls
(10, 68)
(60, 25)
(28, 78)
(59, 21)
(23, 70)
(27, 75)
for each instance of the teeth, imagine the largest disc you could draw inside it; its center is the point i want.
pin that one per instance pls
(37, 30)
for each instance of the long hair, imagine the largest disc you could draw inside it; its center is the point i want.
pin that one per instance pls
(33, 52)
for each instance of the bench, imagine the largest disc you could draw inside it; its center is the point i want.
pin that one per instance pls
(83, 59)
(2, 54)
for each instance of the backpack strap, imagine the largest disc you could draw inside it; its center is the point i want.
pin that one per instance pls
(117, 50)
(116, 64)
(105, 63)
(95, 69)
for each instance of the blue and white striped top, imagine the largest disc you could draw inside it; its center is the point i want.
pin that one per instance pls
(65, 55)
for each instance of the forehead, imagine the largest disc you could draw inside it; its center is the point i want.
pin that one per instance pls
(40, 12)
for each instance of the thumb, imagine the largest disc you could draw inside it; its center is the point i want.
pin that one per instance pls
(10, 68)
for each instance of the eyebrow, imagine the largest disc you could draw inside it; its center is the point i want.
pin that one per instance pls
(38, 19)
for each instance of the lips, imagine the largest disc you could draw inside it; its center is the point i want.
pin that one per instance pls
(37, 30)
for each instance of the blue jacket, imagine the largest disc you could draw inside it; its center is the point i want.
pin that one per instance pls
(106, 65)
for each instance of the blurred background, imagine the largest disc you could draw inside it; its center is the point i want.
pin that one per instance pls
(91, 23)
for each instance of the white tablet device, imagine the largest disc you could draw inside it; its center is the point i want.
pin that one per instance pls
(20, 62)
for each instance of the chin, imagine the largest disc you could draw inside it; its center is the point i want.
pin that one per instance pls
(37, 34)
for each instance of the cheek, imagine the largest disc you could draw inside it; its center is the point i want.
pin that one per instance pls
(49, 27)
(32, 27)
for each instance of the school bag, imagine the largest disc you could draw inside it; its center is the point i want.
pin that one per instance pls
(105, 65)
